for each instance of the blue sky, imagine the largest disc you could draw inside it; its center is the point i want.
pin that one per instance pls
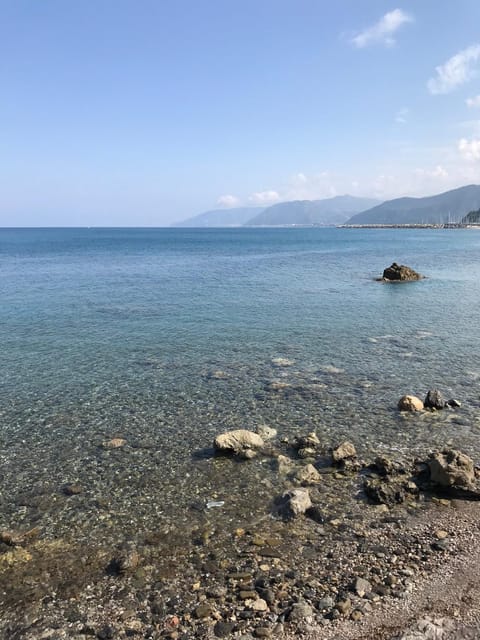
(144, 112)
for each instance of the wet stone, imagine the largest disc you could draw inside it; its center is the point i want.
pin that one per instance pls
(223, 629)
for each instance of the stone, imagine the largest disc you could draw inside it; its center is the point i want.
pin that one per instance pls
(307, 475)
(410, 403)
(356, 615)
(344, 606)
(299, 612)
(259, 605)
(434, 400)
(361, 587)
(451, 468)
(441, 534)
(326, 603)
(344, 451)
(126, 561)
(262, 632)
(282, 362)
(266, 432)
(217, 375)
(203, 610)
(310, 440)
(72, 489)
(114, 443)
(307, 452)
(316, 514)
(455, 404)
(400, 273)
(295, 502)
(389, 491)
(238, 441)
(284, 464)
(223, 629)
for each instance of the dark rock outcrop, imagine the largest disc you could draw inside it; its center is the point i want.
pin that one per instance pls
(400, 273)
(434, 400)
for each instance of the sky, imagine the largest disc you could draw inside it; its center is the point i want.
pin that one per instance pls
(147, 112)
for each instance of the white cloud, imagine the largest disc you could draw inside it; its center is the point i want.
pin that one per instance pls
(401, 116)
(473, 102)
(382, 32)
(469, 149)
(264, 197)
(437, 172)
(455, 72)
(228, 201)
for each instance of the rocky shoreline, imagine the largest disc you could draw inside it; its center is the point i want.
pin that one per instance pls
(310, 566)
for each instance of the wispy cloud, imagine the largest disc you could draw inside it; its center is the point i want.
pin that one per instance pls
(459, 69)
(401, 115)
(228, 201)
(264, 197)
(473, 102)
(469, 149)
(383, 31)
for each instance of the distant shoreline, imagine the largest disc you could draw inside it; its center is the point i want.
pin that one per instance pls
(446, 225)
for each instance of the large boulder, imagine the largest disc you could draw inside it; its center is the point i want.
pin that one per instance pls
(400, 273)
(410, 403)
(240, 442)
(451, 468)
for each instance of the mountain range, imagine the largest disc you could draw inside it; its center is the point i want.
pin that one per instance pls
(450, 206)
(328, 212)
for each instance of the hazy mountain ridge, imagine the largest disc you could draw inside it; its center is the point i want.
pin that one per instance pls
(235, 217)
(449, 206)
(327, 212)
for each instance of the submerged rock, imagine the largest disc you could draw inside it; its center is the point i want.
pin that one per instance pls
(294, 502)
(266, 432)
(307, 475)
(282, 362)
(410, 403)
(310, 441)
(239, 442)
(389, 491)
(345, 451)
(400, 273)
(451, 468)
(114, 443)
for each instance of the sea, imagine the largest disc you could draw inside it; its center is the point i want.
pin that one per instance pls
(167, 337)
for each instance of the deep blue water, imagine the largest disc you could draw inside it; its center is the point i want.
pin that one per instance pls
(117, 331)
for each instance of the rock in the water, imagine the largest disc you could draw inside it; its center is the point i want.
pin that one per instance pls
(410, 403)
(344, 451)
(266, 432)
(434, 400)
(453, 403)
(400, 273)
(389, 491)
(283, 464)
(282, 362)
(307, 475)
(238, 441)
(451, 468)
(310, 441)
(294, 502)
(114, 443)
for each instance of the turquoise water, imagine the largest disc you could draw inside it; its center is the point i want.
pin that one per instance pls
(116, 333)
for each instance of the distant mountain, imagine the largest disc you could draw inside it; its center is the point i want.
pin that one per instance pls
(473, 217)
(235, 217)
(331, 211)
(450, 206)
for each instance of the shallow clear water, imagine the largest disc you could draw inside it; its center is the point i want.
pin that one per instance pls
(116, 332)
